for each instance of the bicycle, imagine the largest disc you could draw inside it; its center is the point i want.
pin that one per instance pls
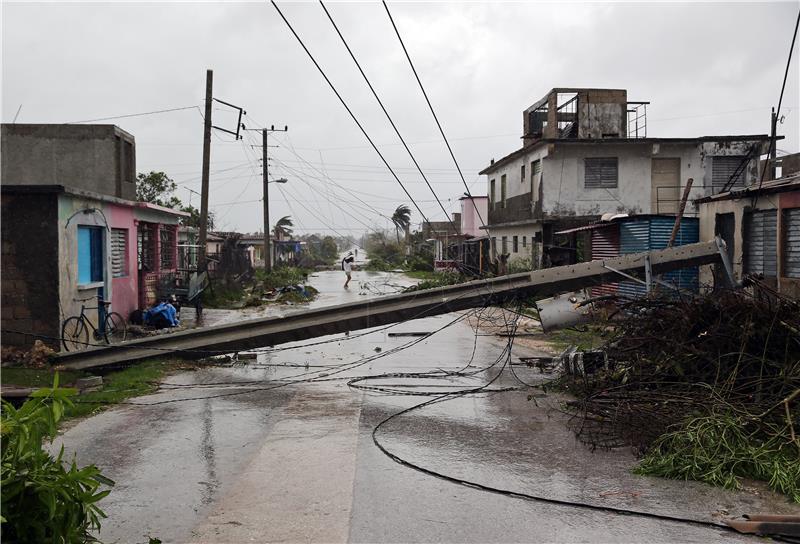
(75, 329)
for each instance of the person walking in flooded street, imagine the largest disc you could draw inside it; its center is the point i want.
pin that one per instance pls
(347, 266)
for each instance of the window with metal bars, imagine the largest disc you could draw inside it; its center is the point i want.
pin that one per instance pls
(167, 242)
(601, 172)
(145, 247)
(119, 253)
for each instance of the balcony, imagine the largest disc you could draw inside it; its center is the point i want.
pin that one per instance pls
(517, 208)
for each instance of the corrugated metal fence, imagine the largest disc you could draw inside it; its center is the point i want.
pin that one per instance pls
(605, 245)
(653, 233)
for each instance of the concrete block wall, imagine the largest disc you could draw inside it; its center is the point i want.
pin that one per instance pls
(29, 277)
(97, 158)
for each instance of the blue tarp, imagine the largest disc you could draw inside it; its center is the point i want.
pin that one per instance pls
(161, 315)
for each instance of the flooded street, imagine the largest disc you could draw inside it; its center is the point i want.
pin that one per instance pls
(281, 449)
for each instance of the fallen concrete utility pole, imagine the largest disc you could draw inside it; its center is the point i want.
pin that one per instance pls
(392, 309)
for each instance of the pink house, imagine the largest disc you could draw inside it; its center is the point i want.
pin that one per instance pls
(474, 213)
(72, 230)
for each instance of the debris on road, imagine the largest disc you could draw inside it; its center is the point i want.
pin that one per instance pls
(768, 525)
(706, 385)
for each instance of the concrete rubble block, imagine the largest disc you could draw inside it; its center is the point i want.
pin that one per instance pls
(92, 383)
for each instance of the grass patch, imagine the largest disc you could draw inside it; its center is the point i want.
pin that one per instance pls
(133, 381)
(38, 377)
(583, 339)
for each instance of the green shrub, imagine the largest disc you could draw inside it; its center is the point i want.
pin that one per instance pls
(376, 264)
(44, 499)
(722, 448)
(515, 266)
(420, 264)
(440, 279)
(281, 276)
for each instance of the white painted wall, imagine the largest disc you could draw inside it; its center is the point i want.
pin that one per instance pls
(564, 193)
(514, 185)
(523, 253)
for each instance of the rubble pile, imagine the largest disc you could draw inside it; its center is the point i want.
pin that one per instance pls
(708, 386)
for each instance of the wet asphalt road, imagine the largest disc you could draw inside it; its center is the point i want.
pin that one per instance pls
(240, 454)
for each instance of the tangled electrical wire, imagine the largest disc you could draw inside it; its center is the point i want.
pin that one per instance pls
(506, 317)
(708, 386)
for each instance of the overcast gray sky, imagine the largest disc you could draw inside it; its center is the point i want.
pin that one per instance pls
(706, 68)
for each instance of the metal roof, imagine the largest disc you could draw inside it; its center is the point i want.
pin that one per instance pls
(623, 219)
(780, 185)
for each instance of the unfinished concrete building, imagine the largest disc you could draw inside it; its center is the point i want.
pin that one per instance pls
(586, 153)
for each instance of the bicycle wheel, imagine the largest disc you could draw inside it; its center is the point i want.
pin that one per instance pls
(116, 328)
(74, 334)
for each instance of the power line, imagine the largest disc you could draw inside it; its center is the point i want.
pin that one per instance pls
(776, 116)
(438, 124)
(788, 63)
(131, 115)
(291, 150)
(339, 96)
(301, 175)
(389, 117)
(299, 201)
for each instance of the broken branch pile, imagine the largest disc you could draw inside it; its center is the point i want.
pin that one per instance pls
(708, 386)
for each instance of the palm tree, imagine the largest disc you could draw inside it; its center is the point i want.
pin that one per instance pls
(402, 220)
(283, 228)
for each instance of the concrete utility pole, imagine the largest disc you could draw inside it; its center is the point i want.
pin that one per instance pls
(264, 134)
(265, 172)
(201, 257)
(773, 145)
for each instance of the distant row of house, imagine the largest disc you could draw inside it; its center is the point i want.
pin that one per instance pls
(586, 155)
(73, 231)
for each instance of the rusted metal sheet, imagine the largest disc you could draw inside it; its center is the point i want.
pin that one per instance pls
(605, 245)
(768, 525)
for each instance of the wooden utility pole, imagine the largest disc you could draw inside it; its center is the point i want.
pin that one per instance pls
(681, 209)
(201, 257)
(265, 170)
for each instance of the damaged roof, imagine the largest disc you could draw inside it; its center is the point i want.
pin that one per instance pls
(780, 185)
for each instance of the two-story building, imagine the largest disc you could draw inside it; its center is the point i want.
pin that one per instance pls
(72, 230)
(586, 152)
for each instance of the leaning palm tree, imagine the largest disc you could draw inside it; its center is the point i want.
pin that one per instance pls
(402, 220)
(283, 228)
